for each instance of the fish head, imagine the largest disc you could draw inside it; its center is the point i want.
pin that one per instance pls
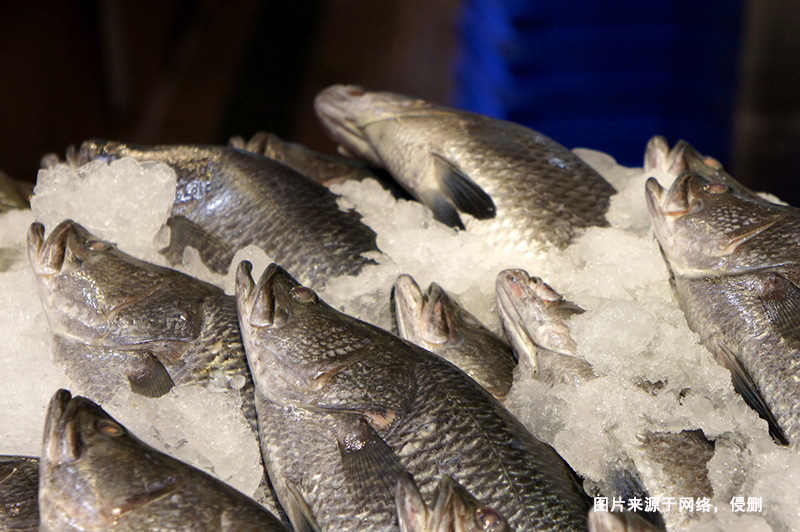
(92, 469)
(101, 150)
(93, 292)
(432, 318)
(533, 314)
(290, 334)
(452, 509)
(705, 225)
(347, 110)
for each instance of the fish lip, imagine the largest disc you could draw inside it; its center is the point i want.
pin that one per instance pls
(331, 105)
(62, 442)
(408, 304)
(256, 301)
(47, 257)
(103, 150)
(512, 321)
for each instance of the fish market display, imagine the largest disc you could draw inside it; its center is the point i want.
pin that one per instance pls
(96, 475)
(227, 199)
(394, 402)
(519, 188)
(734, 259)
(436, 322)
(19, 492)
(452, 509)
(534, 319)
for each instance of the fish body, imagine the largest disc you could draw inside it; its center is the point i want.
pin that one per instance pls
(96, 476)
(452, 509)
(436, 322)
(403, 405)
(227, 199)
(534, 318)
(19, 492)
(522, 189)
(119, 321)
(735, 264)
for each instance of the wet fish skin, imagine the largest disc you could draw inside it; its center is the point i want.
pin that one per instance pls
(735, 265)
(227, 199)
(526, 190)
(120, 321)
(534, 318)
(19, 491)
(434, 419)
(436, 322)
(95, 475)
(452, 509)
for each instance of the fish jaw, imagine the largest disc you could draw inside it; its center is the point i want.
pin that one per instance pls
(422, 318)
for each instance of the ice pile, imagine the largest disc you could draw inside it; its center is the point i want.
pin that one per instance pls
(633, 332)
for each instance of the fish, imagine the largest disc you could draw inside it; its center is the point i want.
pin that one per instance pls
(405, 407)
(452, 509)
(436, 322)
(535, 321)
(96, 475)
(321, 168)
(19, 492)
(13, 194)
(624, 521)
(734, 264)
(517, 188)
(119, 321)
(227, 199)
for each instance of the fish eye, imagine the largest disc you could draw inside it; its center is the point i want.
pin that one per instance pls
(303, 294)
(717, 188)
(489, 520)
(109, 428)
(97, 245)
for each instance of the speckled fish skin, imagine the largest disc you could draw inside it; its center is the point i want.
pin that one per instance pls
(526, 189)
(435, 419)
(436, 322)
(227, 199)
(452, 509)
(19, 492)
(96, 476)
(735, 262)
(534, 319)
(118, 321)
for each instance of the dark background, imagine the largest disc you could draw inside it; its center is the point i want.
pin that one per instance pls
(723, 75)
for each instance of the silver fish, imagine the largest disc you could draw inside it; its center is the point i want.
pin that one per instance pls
(19, 492)
(436, 322)
(521, 189)
(735, 264)
(119, 321)
(452, 509)
(402, 404)
(227, 199)
(97, 476)
(534, 320)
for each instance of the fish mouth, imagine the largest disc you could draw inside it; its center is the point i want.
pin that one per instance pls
(48, 257)
(340, 109)
(260, 303)
(659, 157)
(102, 150)
(408, 303)
(509, 288)
(62, 441)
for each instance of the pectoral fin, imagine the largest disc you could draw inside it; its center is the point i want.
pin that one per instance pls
(744, 385)
(149, 377)
(781, 300)
(214, 252)
(299, 511)
(462, 191)
(367, 460)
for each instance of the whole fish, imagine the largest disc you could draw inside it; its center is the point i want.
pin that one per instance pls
(323, 169)
(735, 265)
(227, 199)
(534, 318)
(436, 322)
(520, 188)
(452, 509)
(118, 321)
(396, 402)
(19, 491)
(97, 476)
